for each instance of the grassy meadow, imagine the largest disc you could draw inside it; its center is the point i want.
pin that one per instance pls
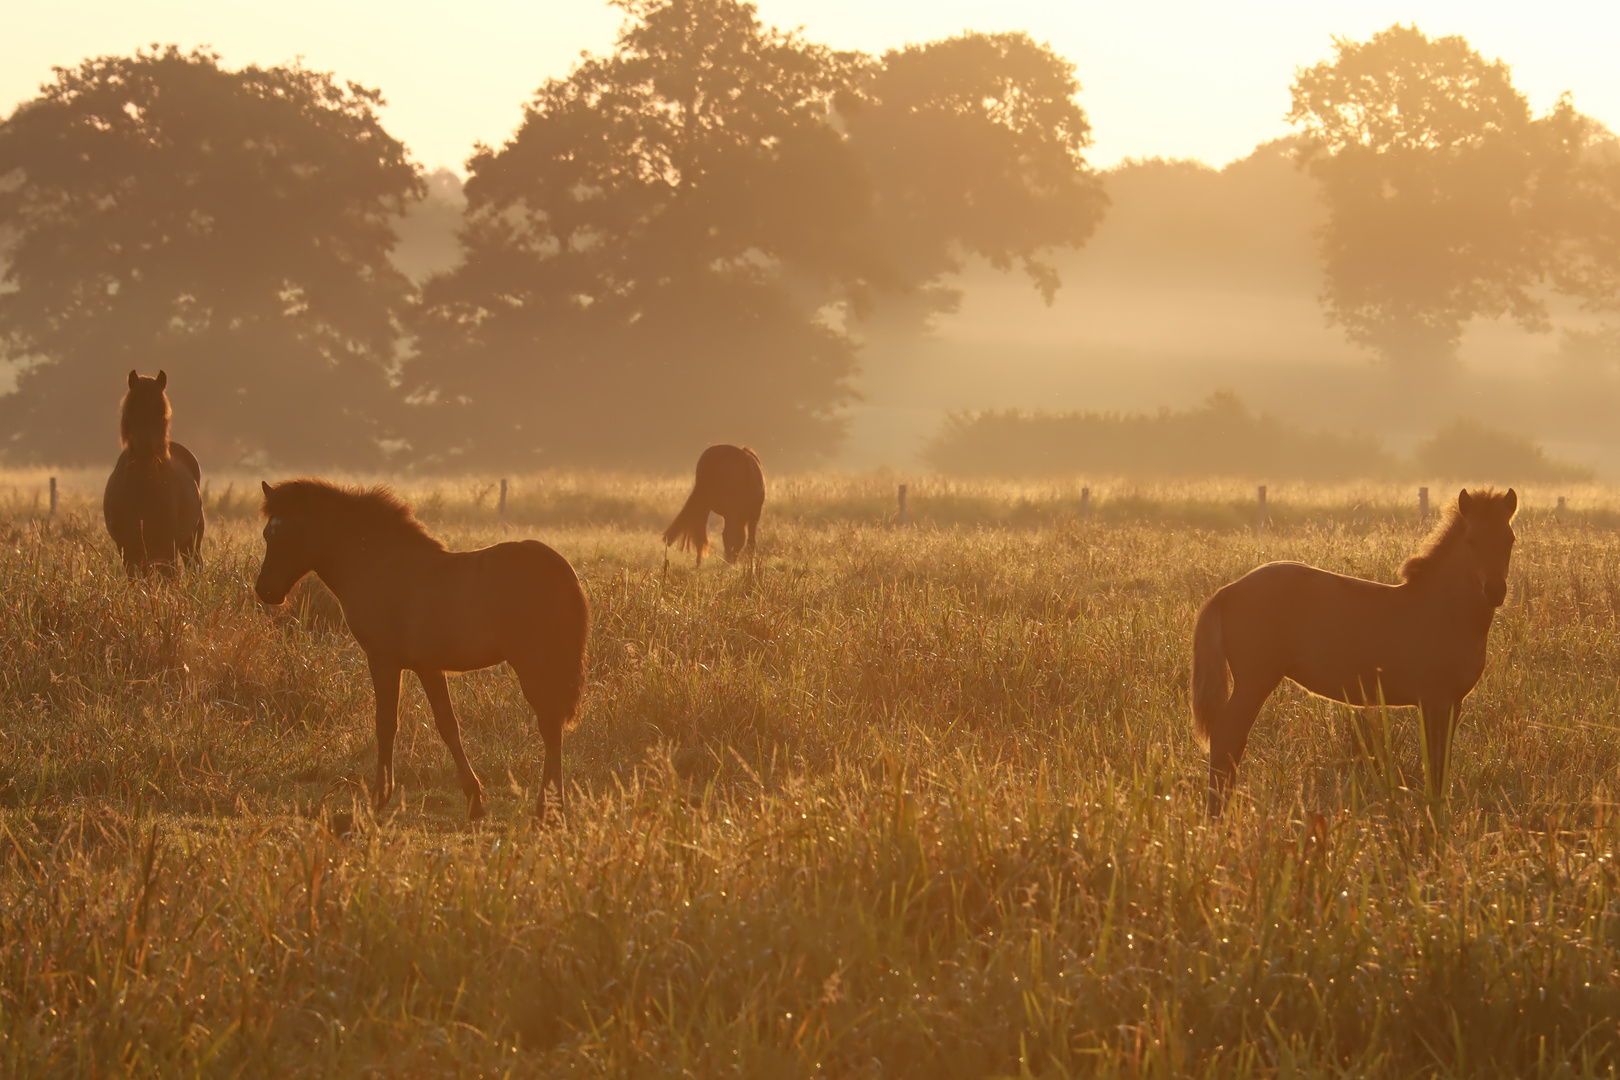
(890, 802)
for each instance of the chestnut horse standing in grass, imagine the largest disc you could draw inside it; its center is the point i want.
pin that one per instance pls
(411, 604)
(152, 505)
(1421, 642)
(729, 483)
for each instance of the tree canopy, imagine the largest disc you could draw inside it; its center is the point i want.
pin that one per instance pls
(231, 227)
(1448, 199)
(678, 243)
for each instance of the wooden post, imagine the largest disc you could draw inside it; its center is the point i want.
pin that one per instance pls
(1085, 504)
(1261, 527)
(901, 518)
(503, 502)
(1423, 504)
(53, 500)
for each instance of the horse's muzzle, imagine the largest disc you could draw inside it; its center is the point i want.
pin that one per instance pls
(1496, 592)
(267, 594)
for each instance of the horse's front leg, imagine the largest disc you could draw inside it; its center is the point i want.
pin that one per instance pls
(1440, 714)
(438, 695)
(385, 684)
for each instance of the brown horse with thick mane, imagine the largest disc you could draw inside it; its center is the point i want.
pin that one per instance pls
(1421, 642)
(412, 604)
(730, 483)
(152, 504)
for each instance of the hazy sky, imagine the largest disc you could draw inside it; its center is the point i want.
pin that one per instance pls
(1175, 78)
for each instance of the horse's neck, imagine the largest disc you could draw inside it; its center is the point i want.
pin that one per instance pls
(1452, 582)
(346, 562)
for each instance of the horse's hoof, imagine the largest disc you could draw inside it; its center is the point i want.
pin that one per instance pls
(475, 809)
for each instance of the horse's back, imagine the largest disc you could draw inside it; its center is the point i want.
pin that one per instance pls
(533, 588)
(189, 460)
(1336, 635)
(733, 478)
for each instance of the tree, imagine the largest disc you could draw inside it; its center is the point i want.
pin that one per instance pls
(677, 243)
(231, 227)
(1448, 200)
(975, 145)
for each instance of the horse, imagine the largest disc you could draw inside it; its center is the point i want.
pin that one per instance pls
(730, 483)
(152, 504)
(413, 604)
(1360, 642)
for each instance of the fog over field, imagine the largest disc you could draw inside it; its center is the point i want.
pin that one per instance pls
(1198, 280)
(1201, 280)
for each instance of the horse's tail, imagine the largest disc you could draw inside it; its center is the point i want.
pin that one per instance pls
(558, 667)
(690, 529)
(1209, 670)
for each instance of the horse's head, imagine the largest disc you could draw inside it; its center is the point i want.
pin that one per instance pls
(289, 548)
(1489, 539)
(143, 416)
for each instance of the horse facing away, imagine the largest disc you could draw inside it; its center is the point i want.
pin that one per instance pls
(1421, 642)
(730, 483)
(413, 604)
(152, 504)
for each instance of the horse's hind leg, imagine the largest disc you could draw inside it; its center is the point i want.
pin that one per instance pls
(385, 686)
(438, 695)
(542, 693)
(1229, 735)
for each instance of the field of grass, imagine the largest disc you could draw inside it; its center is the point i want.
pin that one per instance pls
(916, 802)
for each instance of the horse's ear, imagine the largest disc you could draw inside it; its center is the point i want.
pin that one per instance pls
(265, 485)
(1465, 502)
(1512, 501)
(163, 378)
(133, 378)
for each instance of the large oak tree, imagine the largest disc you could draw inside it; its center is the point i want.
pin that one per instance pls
(231, 227)
(678, 243)
(1448, 199)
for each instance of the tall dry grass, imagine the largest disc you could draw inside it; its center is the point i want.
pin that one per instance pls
(916, 802)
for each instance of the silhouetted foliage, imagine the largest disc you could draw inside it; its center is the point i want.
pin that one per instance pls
(1466, 449)
(1220, 438)
(974, 146)
(232, 227)
(673, 248)
(1447, 199)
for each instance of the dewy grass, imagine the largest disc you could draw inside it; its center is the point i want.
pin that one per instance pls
(917, 802)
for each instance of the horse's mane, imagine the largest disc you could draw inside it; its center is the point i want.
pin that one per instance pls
(1445, 536)
(374, 513)
(144, 429)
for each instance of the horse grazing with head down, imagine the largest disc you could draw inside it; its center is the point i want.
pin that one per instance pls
(1421, 642)
(152, 504)
(412, 604)
(730, 483)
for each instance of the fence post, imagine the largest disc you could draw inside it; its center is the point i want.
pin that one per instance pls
(503, 502)
(1423, 504)
(1085, 504)
(1261, 526)
(53, 500)
(902, 518)
(1560, 510)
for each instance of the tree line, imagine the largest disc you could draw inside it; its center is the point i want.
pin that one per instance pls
(1222, 437)
(685, 239)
